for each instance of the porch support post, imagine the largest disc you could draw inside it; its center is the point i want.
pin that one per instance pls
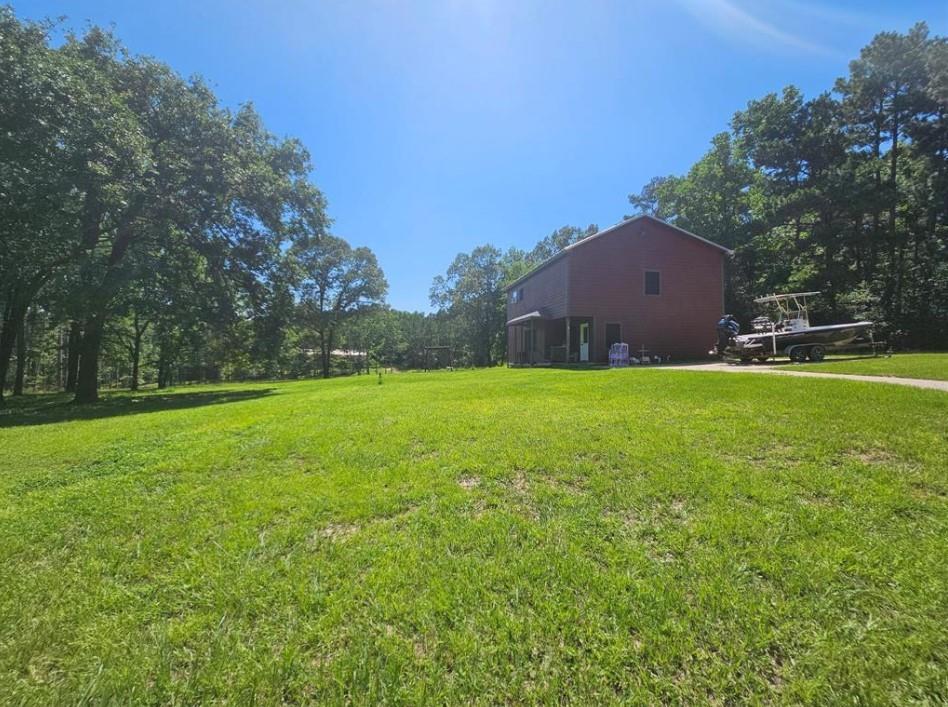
(532, 337)
(567, 339)
(511, 345)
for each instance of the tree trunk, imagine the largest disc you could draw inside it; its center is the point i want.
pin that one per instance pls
(136, 356)
(139, 332)
(895, 259)
(72, 357)
(165, 361)
(13, 315)
(87, 383)
(162, 373)
(18, 301)
(20, 359)
(325, 342)
(876, 215)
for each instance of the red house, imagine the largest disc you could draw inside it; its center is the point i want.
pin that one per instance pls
(643, 281)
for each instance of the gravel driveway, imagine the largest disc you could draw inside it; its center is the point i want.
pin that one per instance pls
(787, 370)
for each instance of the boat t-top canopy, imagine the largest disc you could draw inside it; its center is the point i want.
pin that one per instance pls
(791, 306)
(786, 297)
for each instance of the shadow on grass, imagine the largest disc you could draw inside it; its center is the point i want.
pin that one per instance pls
(49, 409)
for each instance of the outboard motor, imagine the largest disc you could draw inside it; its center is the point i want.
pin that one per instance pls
(728, 327)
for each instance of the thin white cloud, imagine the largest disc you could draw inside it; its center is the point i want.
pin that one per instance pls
(835, 14)
(733, 21)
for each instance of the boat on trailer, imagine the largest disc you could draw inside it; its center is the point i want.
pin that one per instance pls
(790, 334)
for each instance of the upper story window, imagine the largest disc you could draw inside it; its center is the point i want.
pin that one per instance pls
(516, 295)
(653, 282)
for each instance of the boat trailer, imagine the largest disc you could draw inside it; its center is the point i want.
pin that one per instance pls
(791, 334)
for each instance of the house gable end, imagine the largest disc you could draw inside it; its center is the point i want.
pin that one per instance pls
(615, 229)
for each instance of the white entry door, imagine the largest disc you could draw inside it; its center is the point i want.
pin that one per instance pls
(584, 341)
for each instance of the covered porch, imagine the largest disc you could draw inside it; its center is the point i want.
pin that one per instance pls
(534, 339)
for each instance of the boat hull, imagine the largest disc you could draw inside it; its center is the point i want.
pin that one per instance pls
(766, 344)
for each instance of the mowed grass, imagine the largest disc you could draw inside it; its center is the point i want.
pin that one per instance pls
(933, 366)
(486, 536)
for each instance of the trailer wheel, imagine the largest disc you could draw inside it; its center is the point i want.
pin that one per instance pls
(817, 353)
(798, 354)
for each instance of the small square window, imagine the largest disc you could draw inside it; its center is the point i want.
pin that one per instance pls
(653, 284)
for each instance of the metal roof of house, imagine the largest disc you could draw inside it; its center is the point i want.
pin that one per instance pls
(597, 234)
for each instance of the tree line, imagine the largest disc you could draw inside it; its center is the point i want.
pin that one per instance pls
(150, 235)
(148, 231)
(846, 192)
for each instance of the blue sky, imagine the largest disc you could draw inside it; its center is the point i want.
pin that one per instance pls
(437, 126)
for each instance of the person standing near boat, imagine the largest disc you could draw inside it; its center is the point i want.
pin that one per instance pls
(728, 327)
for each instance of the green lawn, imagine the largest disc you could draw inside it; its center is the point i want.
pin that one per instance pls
(491, 536)
(933, 366)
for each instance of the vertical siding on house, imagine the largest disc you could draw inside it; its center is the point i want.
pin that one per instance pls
(607, 283)
(545, 289)
(603, 278)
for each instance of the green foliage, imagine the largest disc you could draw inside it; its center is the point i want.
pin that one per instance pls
(472, 295)
(145, 217)
(471, 298)
(843, 193)
(555, 242)
(334, 282)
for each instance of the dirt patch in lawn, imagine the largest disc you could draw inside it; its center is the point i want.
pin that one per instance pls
(469, 482)
(335, 532)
